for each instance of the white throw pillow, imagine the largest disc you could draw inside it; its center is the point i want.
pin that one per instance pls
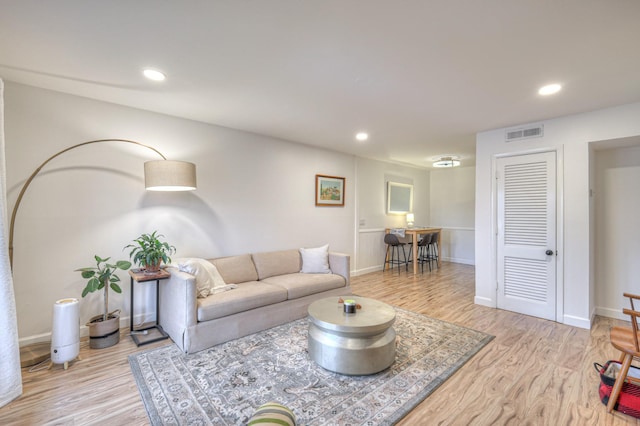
(208, 279)
(315, 260)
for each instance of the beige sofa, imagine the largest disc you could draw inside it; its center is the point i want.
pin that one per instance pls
(270, 291)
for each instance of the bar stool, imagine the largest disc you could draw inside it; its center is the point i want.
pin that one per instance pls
(393, 247)
(433, 249)
(423, 251)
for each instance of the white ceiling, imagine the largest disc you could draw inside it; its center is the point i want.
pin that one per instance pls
(422, 77)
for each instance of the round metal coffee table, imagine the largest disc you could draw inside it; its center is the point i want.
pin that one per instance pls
(354, 344)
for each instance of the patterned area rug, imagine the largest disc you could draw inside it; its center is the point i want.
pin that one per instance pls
(225, 384)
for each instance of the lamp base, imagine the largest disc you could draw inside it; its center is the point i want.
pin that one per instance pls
(34, 354)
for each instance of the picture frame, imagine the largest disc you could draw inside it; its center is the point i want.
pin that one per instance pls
(330, 191)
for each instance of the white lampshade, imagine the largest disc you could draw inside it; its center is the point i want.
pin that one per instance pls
(167, 175)
(410, 219)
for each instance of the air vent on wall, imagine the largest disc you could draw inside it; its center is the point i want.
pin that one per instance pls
(524, 133)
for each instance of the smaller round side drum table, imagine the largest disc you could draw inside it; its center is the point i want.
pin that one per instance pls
(355, 344)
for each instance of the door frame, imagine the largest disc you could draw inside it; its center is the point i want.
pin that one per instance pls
(559, 223)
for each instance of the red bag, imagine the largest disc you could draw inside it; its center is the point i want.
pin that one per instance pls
(629, 399)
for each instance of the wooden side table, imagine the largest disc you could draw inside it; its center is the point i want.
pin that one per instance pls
(154, 332)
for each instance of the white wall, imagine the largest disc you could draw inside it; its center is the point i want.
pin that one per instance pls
(442, 198)
(254, 194)
(452, 206)
(372, 178)
(570, 136)
(617, 227)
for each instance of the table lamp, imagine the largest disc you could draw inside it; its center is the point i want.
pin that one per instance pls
(410, 220)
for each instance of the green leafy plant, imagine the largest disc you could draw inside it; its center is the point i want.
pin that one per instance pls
(102, 277)
(149, 252)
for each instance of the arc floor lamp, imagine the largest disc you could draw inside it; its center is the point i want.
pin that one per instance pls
(159, 175)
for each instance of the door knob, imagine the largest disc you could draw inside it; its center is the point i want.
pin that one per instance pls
(549, 252)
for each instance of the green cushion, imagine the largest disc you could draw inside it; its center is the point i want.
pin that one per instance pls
(273, 414)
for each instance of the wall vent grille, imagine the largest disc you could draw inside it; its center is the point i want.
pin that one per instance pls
(512, 135)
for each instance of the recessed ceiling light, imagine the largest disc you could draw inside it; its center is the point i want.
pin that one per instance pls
(549, 89)
(154, 75)
(362, 136)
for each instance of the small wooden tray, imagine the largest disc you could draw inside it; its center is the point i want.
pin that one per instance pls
(139, 275)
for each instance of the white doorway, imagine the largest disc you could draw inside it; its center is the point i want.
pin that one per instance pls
(615, 227)
(526, 231)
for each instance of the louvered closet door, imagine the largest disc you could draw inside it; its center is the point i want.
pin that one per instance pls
(526, 207)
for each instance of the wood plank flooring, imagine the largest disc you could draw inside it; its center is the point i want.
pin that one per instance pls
(535, 372)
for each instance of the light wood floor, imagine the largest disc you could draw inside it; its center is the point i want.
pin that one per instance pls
(535, 372)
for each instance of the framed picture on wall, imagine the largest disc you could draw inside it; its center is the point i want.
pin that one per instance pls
(329, 191)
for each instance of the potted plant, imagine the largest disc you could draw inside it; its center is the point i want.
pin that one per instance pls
(104, 330)
(149, 252)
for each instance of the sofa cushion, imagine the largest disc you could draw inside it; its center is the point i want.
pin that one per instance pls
(274, 263)
(300, 285)
(236, 269)
(248, 295)
(315, 260)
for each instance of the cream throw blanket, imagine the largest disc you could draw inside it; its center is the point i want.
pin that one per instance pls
(10, 376)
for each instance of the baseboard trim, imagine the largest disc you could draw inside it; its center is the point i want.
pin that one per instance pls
(611, 313)
(84, 331)
(36, 338)
(458, 260)
(366, 270)
(577, 321)
(484, 301)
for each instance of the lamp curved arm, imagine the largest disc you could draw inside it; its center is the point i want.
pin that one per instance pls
(37, 170)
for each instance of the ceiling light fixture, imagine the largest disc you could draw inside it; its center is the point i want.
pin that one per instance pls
(450, 161)
(549, 89)
(154, 75)
(362, 136)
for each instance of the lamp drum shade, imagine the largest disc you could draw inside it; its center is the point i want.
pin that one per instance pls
(167, 175)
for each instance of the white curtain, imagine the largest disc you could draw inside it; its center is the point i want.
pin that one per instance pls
(10, 375)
